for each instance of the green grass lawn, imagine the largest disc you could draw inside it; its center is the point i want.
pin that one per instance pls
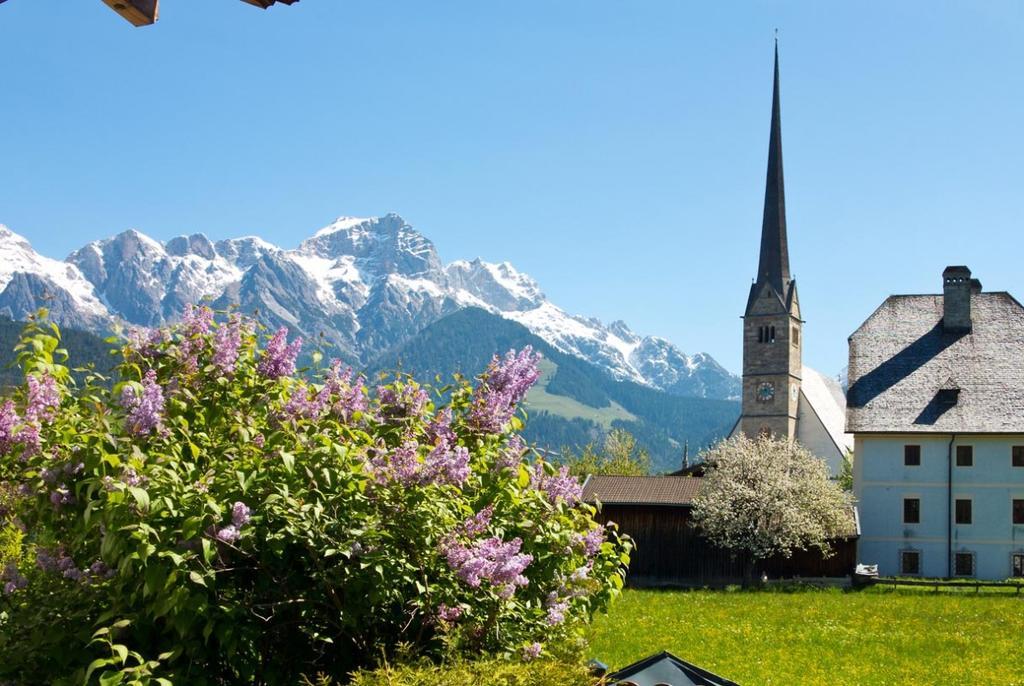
(873, 637)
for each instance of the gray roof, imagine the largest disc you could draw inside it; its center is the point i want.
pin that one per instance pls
(908, 374)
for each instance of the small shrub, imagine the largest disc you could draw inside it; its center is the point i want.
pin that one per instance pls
(479, 673)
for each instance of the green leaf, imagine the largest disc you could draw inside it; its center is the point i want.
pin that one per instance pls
(122, 652)
(141, 497)
(111, 678)
(197, 578)
(289, 461)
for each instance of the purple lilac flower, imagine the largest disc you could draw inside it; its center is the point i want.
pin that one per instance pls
(402, 464)
(240, 514)
(43, 398)
(439, 430)
(561, 486)
(196, 321)
(130, 477)
(580, 574)
(145, 341)
(259, 440)
(12, 578)
(532, 651)
(502, 386)
(478, 523)
(498, 563)
(228, 534)
(592, 541)
(145, 410)
(510, 455)
(448, 613)
(302, 405)
(446, 466)
(9, 421)
(349, 393)
(227, 342)
(58, 562)
(61, 496)
(402, 400)
(557, 607)
(279, 356)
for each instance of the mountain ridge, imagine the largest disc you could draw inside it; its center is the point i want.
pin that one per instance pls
(361, 285)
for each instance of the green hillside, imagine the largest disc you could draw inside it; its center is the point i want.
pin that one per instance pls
(574, 403)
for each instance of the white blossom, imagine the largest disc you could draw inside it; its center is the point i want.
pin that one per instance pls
(769, 497)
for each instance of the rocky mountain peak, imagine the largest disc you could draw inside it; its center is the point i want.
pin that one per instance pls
(361, 285)
(380, 246)
(196, 244)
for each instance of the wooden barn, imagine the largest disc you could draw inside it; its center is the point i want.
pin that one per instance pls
(670, 551)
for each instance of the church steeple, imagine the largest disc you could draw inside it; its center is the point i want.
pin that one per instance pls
(772, 328)
(773, 266)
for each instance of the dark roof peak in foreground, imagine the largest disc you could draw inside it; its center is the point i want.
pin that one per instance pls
(904, 363)
(666, 668)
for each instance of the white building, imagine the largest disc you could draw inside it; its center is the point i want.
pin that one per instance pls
(936, 406)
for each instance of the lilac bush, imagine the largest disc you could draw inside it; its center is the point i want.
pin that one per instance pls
(217, 516)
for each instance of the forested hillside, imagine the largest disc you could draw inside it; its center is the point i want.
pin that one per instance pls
(575, 403)
(83, 348)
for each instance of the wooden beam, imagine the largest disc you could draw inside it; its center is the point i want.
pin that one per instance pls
(264, 4)
(138, 12)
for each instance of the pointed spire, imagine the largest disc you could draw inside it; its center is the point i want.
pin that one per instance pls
(774, 263)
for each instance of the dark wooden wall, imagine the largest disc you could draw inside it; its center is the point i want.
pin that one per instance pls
(670, 552)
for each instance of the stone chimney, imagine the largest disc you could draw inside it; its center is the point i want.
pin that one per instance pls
(957, 286)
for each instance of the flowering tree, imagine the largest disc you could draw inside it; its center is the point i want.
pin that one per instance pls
(769, 497)
(213, 517)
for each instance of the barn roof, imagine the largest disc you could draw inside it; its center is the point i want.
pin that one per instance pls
(666, 668)
(669, 490)
(910, 374)
(641, 490)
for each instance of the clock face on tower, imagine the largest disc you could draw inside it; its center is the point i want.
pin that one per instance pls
(766, 392)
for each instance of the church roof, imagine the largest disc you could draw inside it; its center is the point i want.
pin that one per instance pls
(826, 398)
(902, 359)
(666, 668)
(773, 265)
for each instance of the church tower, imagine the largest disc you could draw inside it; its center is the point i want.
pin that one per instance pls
(772, 340)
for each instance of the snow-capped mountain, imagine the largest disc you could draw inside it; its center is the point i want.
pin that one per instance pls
(28, 281)
(362, 285)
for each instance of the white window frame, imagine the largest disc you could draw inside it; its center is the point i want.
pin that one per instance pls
(1020, 554)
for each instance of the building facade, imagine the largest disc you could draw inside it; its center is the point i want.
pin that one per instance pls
(936, 405)
(780, 396)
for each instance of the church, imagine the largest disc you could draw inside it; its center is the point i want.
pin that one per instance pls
(782, 397)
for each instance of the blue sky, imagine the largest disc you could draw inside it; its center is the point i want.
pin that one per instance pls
(613, 150)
